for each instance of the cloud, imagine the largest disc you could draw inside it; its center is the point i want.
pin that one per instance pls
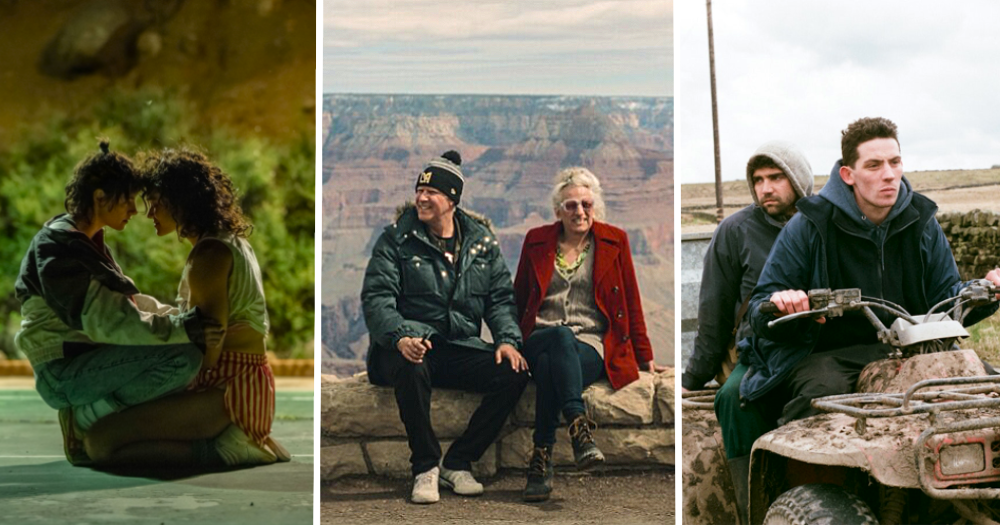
(802, 71)
(554, 46)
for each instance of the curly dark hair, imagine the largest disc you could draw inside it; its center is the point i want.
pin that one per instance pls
(861, 131)
(761, 162)
(198, 195)
(105, 170)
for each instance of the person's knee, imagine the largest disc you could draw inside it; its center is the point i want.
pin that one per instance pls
(187, 360)
(541, 366)
(727, 400)
(830, 386)
(98, 449)
(517, 382)
(509, 380)
(821, 377)
(412, 374)
(563, 343)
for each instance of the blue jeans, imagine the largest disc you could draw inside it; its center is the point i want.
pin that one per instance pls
(562, 367)
(111, 378)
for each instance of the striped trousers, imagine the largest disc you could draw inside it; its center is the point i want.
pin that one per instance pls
(249, 394)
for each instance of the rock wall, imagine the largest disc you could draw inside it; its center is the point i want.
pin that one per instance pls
(975, 241)
(362, 434)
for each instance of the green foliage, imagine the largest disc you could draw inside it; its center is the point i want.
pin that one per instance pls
(275, 183)
(985, 339)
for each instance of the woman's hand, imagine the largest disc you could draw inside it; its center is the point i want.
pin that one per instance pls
(652, 367)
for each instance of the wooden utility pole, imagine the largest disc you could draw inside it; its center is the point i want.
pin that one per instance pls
(715, 117)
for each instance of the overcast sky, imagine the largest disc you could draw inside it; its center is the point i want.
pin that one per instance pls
(801, 71)
(561, 47)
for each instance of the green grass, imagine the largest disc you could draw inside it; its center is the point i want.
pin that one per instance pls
(985, 339)
(695, 219)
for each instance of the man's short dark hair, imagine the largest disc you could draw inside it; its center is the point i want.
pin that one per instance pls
(761, 162)
(861, 131)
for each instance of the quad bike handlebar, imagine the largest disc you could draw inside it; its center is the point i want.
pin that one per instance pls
(825, 302)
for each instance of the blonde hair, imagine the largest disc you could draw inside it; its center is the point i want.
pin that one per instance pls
(578, 176)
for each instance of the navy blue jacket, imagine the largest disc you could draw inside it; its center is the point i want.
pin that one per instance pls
(830, 244)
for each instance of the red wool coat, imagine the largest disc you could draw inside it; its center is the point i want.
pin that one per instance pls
(615, 292)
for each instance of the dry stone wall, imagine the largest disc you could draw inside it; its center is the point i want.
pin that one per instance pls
(362, 433)
(975, 241)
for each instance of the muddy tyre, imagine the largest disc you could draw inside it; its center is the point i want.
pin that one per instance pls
(819, 504)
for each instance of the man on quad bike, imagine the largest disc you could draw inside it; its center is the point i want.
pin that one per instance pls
(865, 229)
(778, 175)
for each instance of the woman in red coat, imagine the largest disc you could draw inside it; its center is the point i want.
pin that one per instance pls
(580, 313)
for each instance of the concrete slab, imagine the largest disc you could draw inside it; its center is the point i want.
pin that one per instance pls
(37, 485)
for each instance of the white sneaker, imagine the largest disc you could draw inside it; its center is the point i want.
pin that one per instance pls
(461, 482)
(425, 487)
(237, 449)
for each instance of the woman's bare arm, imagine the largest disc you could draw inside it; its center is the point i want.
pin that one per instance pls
(211, 263)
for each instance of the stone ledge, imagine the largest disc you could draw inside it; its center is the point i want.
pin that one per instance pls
(355, 408)
(342, 460)
(362, 434)
(632, 405)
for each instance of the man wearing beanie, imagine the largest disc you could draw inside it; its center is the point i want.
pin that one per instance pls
(778, 174)
(434, 276)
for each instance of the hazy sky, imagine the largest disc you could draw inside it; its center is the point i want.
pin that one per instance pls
(570, 47)
(801, 71)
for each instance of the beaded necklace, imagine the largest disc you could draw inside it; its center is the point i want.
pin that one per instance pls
(565, 269)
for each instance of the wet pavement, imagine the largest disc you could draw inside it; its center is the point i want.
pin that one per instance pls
(37, 485)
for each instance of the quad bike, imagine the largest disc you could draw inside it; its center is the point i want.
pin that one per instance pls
(918, 443)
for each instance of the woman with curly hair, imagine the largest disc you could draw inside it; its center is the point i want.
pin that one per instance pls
(232, 398)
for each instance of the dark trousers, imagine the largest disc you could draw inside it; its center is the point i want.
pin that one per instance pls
(562, 367)
(820, 374)
(447, 366)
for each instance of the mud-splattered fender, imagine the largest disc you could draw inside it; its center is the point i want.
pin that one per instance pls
(708, 497)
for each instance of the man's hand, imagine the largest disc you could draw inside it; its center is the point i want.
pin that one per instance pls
(994, 277)
(652, 367)
(413, 348)
(508, 352)
(792, 302)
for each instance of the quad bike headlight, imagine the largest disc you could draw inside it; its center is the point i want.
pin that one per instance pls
(962, 459)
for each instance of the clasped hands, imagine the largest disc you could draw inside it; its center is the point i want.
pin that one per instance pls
(414, 349)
